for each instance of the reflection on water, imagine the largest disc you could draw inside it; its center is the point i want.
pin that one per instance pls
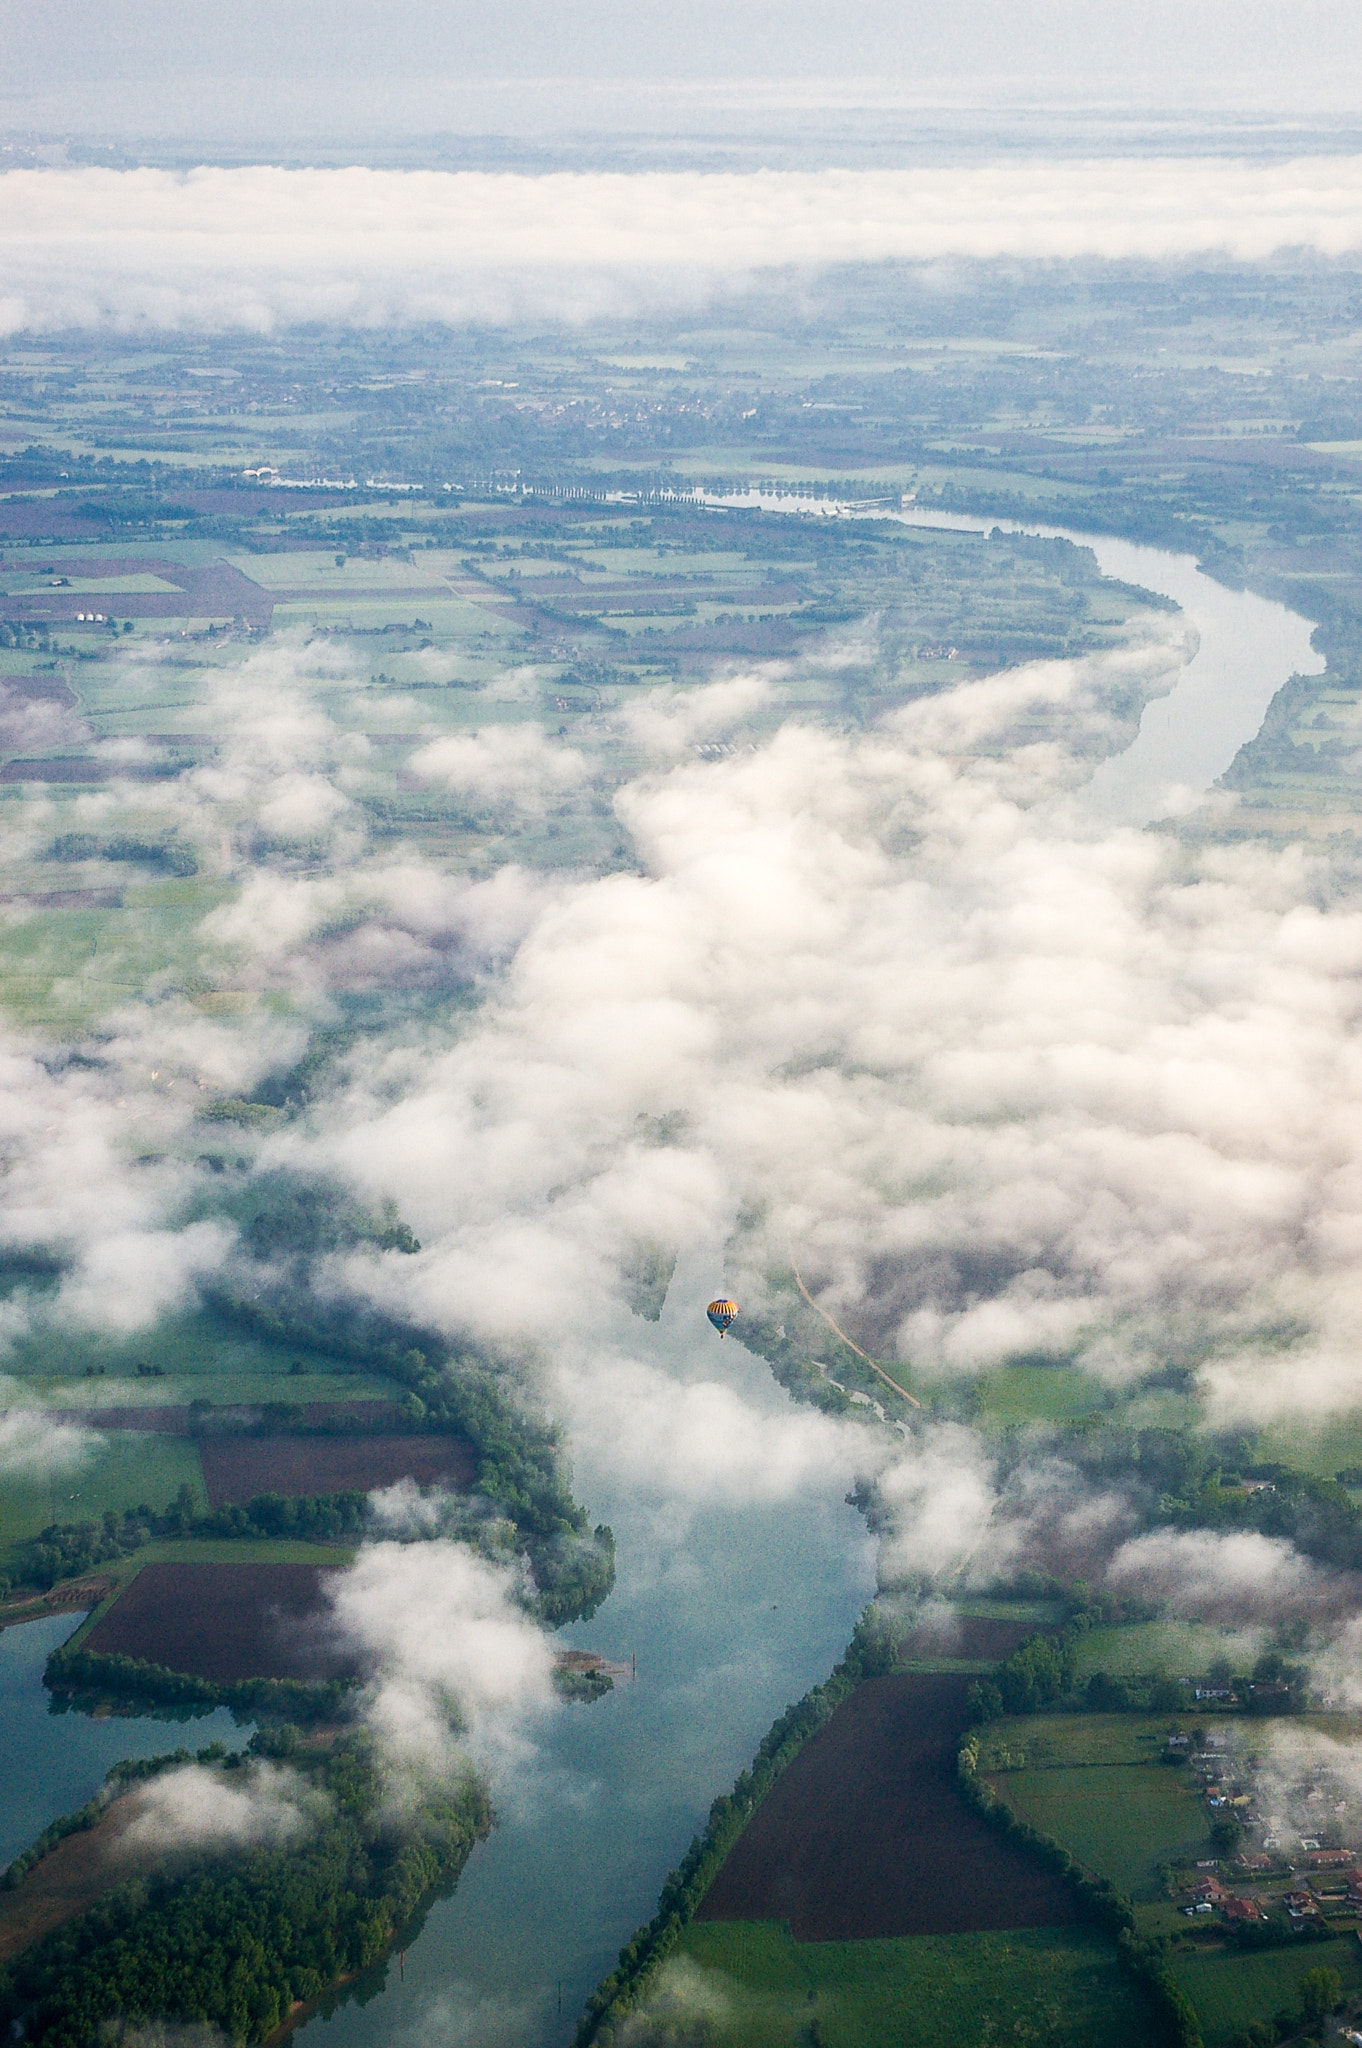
(51, 1763)
(1249, 647)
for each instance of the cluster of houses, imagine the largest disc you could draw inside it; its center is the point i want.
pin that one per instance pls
(1306, 1878)
(1332, 1888)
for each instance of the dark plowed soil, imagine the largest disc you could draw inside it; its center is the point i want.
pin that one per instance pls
(225, 1622)
(867, 1835)
(237, 1468)
(974, 1636)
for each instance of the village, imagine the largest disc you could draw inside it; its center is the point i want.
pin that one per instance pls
(1275, 1873)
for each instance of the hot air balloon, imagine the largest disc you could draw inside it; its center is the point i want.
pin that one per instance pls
(721, 1313)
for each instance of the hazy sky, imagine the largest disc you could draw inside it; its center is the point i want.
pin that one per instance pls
(317, 66)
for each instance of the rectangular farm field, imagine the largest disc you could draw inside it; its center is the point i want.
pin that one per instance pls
(1120, 1820)
(238, 1468)
(124, 1469)
(1060, 1986)
(866, 1833)
(225, 1622)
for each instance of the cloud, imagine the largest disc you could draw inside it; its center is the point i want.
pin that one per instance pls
(35, 1446)
(515, 764)
(703, 1440)
(261, 247)
(953, 1513)
(464, 2015)
(1004, 1082)
(1209, 1576)
(126, 1280)
(196, 1810)
(449, 1647)
(667, 721)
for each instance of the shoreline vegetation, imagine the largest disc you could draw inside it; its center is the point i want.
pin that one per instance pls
(539, 522)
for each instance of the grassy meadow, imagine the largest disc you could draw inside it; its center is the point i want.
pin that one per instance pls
(1046, 1988)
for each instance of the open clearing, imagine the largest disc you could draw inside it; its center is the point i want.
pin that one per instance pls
(1121, 1820)
(225, 1622)
(1062, 1987)
(1229, 1991)
(866, 1833)
(1095, 1782)
(237, 1468)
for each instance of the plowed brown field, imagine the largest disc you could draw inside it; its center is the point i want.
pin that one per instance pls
(224, 1622)
(237, 1468)
(866, 1835)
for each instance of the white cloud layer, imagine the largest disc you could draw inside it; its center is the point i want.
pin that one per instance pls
(515, 764)
(1213, 1576)
(197, 1809)
(34, 1446)
(262, 247)
(449, 1647)
(1002, 1082)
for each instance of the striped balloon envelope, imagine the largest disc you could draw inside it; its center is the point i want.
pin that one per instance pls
(721, 1313)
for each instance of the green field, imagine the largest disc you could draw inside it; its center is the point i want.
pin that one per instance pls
(1094, 1783)
(1120, 1820)
(129, 1467)
(1323, 1449)
(1039, 1393)
(1176, 1649)
(184, 1358)
(758, 1988)
(1228, 1990)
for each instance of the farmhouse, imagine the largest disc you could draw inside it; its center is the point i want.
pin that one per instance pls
(1244, 1909)
(1209, 1891)
(1300, 1904)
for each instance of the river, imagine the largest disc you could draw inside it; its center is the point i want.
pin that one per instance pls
(1249, 646)
(731, 1612)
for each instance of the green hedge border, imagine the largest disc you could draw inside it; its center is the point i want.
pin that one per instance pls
(76, 1670)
